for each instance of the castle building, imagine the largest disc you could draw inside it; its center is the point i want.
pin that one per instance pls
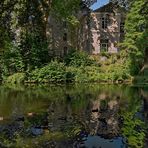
(98, 31)
(106, 28)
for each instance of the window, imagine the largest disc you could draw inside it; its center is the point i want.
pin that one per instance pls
(65, 50)
(104, 22)
(122, 27)
(64, 24)
(65, 37)
(103, 45)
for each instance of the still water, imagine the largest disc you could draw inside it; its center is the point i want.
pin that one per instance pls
(73, 116)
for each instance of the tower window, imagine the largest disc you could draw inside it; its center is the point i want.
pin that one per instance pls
(65, 37)
(64, 24)
(122, 27)
(65, 50)
(104, 22)
(104, 45)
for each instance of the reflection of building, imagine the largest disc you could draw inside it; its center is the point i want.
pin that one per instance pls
(144, 95)
(104, 119)
(98, 31)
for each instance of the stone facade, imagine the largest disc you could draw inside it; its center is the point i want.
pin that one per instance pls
(58, 37)
(106, 28)
(65, 37)
(99, 31)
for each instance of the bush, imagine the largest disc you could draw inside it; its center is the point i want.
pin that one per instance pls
(58, 72)
(12, 61)
(53, 72)
(78, 74)
(78, 58)
(16, 78)
(85, 74)
(115, 72)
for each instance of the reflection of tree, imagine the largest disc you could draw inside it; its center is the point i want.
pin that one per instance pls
(144, 94)
(65, 112)
(133, 126)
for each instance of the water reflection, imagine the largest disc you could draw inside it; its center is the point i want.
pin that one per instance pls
(66, 116)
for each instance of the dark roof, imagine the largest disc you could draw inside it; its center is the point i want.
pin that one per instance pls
(109, 7)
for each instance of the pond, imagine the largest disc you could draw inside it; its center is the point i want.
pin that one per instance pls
(73, 116)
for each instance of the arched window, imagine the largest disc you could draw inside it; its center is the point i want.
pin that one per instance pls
(65, 50)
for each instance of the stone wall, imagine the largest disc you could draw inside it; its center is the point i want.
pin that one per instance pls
(112, 32)
(88, 35)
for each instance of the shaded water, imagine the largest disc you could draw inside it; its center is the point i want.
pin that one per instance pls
(73, 116)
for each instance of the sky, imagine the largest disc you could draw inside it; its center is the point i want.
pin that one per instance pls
(99, 3)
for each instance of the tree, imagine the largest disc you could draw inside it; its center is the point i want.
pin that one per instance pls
(135, 40)
(123, 3)
(24, 24)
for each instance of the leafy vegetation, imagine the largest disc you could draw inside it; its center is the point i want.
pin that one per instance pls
(53, 72)
(26, 37)
(135, 42)
(26, 40)
(77, 67)
(133, 126)
(16, 78)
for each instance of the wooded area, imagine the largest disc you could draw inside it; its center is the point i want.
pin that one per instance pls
(81, 99)
(25, 39)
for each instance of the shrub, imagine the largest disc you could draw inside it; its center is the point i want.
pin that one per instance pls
(16, 78)
(53, 72)
(12, 61)
(115, 72)
(78, 74)
(34, 51)
(58, 72)
(78, 58)
(85, 74)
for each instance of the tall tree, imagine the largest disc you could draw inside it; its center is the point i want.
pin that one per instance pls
(24, 23)
(123, 3)
(135, 40)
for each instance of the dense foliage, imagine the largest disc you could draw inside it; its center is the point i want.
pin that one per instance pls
(25, 34)
(135, 41)
(77, 67)
(26, 39)
(123, 3)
